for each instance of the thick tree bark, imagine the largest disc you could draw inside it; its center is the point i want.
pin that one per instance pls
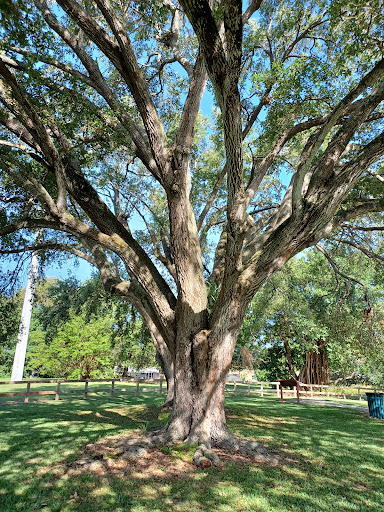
(201, 367)
(198, 413)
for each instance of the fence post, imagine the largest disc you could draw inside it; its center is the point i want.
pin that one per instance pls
(344, 393)
(358, 390)
(161, 386)
(277, 389)
(86, 389)
(113, 389)
(137, 388)
(261, 389)
(234, 388)
(311, 388)
(327, 390)
(26, 399)
(249, 388)
(57, 397)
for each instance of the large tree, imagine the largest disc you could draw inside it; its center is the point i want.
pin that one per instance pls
(100, 114)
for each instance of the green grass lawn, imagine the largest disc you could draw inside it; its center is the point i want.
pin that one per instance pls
(332, 459)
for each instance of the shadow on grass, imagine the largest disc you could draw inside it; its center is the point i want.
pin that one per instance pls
(332, 460)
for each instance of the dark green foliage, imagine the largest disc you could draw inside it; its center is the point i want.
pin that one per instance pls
(9, 325)
(77, 330)
(308, 302)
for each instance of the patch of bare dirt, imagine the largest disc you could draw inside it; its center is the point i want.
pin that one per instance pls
(120, 456)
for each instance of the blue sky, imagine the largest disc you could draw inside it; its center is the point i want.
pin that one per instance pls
(75, 267)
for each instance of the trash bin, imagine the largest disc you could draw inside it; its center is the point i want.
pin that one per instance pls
(376, 405)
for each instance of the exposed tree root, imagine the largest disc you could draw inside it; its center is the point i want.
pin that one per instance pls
(168, 404)
(205, 455)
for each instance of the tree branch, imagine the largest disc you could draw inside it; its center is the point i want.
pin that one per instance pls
(363, 228)
(251, 9)
(265, 163)
(302, 36)
(367, 252)
(98, 82)
(201, 17)
(18, 129)
(54, 246)
(29, 183)
(285, 56)
(318, 138)
(212, 198)
(131, 291)
(198, 82)
(359, 210)
(123, 58)
(375, 175)
(28, 223)
(22, 148)
(23, 100)
(337, 270)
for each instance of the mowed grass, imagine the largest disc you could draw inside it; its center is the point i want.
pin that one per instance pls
(332, 459)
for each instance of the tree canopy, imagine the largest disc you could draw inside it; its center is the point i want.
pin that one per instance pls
(77, 331)
(102, 128)
(313, 307)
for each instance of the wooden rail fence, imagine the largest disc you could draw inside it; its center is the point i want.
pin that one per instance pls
(261, 388)
(264, 388)
(305, 390)
(85, 391)
(343, 392)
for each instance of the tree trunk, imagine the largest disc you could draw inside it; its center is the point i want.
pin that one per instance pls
(288, 353)
(201, 368)
(316, 367)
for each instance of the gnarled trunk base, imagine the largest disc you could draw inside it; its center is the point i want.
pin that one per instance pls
(205, 456)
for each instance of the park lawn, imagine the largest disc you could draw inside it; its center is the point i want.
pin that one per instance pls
(331, 459)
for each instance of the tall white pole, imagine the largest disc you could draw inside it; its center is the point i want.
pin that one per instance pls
(22, 340)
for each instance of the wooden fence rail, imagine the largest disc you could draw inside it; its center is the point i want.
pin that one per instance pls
(305, 390)
(85, 391)
(261, 388)
(341, 391)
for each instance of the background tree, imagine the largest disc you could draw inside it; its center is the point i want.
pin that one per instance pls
(310, 321)
(9, 326)
(80, 350)
(70, 318)
(103, 124)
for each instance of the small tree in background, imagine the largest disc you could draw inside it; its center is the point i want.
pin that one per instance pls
(9, 325)
(70, 317)
(80, 350)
